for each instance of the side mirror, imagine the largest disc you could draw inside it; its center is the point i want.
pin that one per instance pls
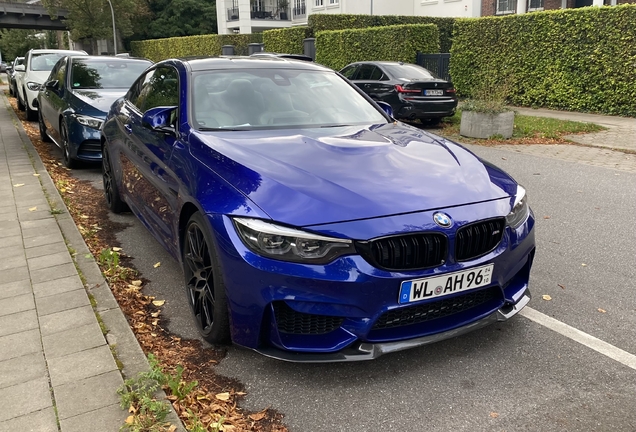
(19, 68)
(52, 85)
(159, 118)
(386, 108)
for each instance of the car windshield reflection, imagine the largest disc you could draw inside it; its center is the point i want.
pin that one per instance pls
(275, 98)
(105, 73)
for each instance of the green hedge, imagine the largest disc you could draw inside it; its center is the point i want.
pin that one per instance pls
(288, 40)
(323, 22)
(203, 45)
(574, 59)
(338, 48)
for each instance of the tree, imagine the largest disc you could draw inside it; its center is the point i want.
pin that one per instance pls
(16, 42)
(91, 19)
(170, 18)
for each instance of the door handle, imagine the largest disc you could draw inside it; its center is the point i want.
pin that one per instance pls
(128, 128)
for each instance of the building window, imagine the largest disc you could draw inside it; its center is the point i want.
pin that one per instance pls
(506, 6)
(535, 5)
(333, 2)
(318, 3)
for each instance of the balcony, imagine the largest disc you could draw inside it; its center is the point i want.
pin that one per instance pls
(269, 13)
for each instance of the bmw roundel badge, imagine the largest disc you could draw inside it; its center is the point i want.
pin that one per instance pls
(442, 219)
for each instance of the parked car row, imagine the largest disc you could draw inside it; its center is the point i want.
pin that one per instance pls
(310, 224)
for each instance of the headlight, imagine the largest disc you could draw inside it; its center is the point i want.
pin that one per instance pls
(91, 122)
(520, 209)
(288, 244)
(33, 86)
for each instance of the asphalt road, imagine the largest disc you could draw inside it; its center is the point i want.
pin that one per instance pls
(514, 376)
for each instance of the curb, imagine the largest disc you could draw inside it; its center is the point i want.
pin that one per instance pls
(119, 337)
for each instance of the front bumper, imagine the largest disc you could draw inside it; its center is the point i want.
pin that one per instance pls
(348, 296)
(84, 142)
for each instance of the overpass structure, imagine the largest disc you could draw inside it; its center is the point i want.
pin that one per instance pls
(30, 16)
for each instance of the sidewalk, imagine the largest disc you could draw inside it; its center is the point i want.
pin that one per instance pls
(57, 372)
(620, 135)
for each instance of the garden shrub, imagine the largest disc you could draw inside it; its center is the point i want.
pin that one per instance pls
(288, 40)
(200, 45)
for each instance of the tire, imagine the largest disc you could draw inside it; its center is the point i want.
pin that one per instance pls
(20, 104)
(42, 128)
(11, 92)
(111, 191)
(30, 114)
(67, 160)
(205, 289)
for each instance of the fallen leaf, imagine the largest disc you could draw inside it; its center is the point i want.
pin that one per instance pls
(583, 265)
(494, 414)
(136, 283)
(172, 428)
(130, 420)
(546, 297)
(503, 158)
(33, 208)
(155, 314)
(18, 185)
(116, 249)
(88, 256)
(157, 265)
(222, 396)
(601, 310)
(158, 302)
(241, 393)
(36, 175)
(561, 286)
(84, 217)
(257, 416)
(546, 217)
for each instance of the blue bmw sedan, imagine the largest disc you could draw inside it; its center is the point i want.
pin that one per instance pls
(310, 225)
(73, 102)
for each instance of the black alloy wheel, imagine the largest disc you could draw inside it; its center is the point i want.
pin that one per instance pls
(30, 114)
(20, 104)
(111, 191)
(42, 127)
(68, 161)
(204, 283)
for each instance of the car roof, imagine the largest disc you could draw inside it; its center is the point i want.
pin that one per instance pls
(257, 62)
(56, 51)
(109, 58)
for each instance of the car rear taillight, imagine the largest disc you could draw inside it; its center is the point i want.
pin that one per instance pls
(401, 89)
(451, 90)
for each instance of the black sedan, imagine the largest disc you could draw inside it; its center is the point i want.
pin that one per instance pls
(76, 97)
(412, 91)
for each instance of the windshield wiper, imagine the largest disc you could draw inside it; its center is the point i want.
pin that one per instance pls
(207, 129)
(335, 125)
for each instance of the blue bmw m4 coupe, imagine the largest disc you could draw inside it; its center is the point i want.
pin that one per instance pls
(310, 225)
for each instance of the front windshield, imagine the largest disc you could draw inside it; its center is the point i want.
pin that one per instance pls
(44, 62)
(105, 73)
(277, 98)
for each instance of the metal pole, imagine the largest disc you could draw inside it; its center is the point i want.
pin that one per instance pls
(371, 7)
(112, 12)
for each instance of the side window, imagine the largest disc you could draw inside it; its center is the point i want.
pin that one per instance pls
(160, 87)
(377, 74)
(349, 71)
(366, 71)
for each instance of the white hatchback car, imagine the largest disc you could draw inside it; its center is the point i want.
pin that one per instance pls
(37, 68)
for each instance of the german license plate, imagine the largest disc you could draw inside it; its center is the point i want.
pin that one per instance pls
(433, 92)
(449, 283)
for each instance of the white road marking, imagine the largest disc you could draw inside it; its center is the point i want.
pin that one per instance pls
(583, 338)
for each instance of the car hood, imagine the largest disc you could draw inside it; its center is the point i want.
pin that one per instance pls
(100, 100)
(36, 76)
(315, 176)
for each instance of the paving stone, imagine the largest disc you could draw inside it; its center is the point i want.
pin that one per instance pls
(83, 338)
(38, 227)
(61, 321)
(22, 369)
(82, 396)
(53, 273)
(9, 228)
(107, 419)
(15, 274)
(61, 302)
(16, 304)
(11, 262)
(18, 322)
(10, 215)
(12, 241)
(54, 237)
(57, 286)
(46, 250)
(19, 344)
(25, 398)
(52, 260)
(42, 212)
(81, 365)
(23, 205)
(37, 421)
(12, 289)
